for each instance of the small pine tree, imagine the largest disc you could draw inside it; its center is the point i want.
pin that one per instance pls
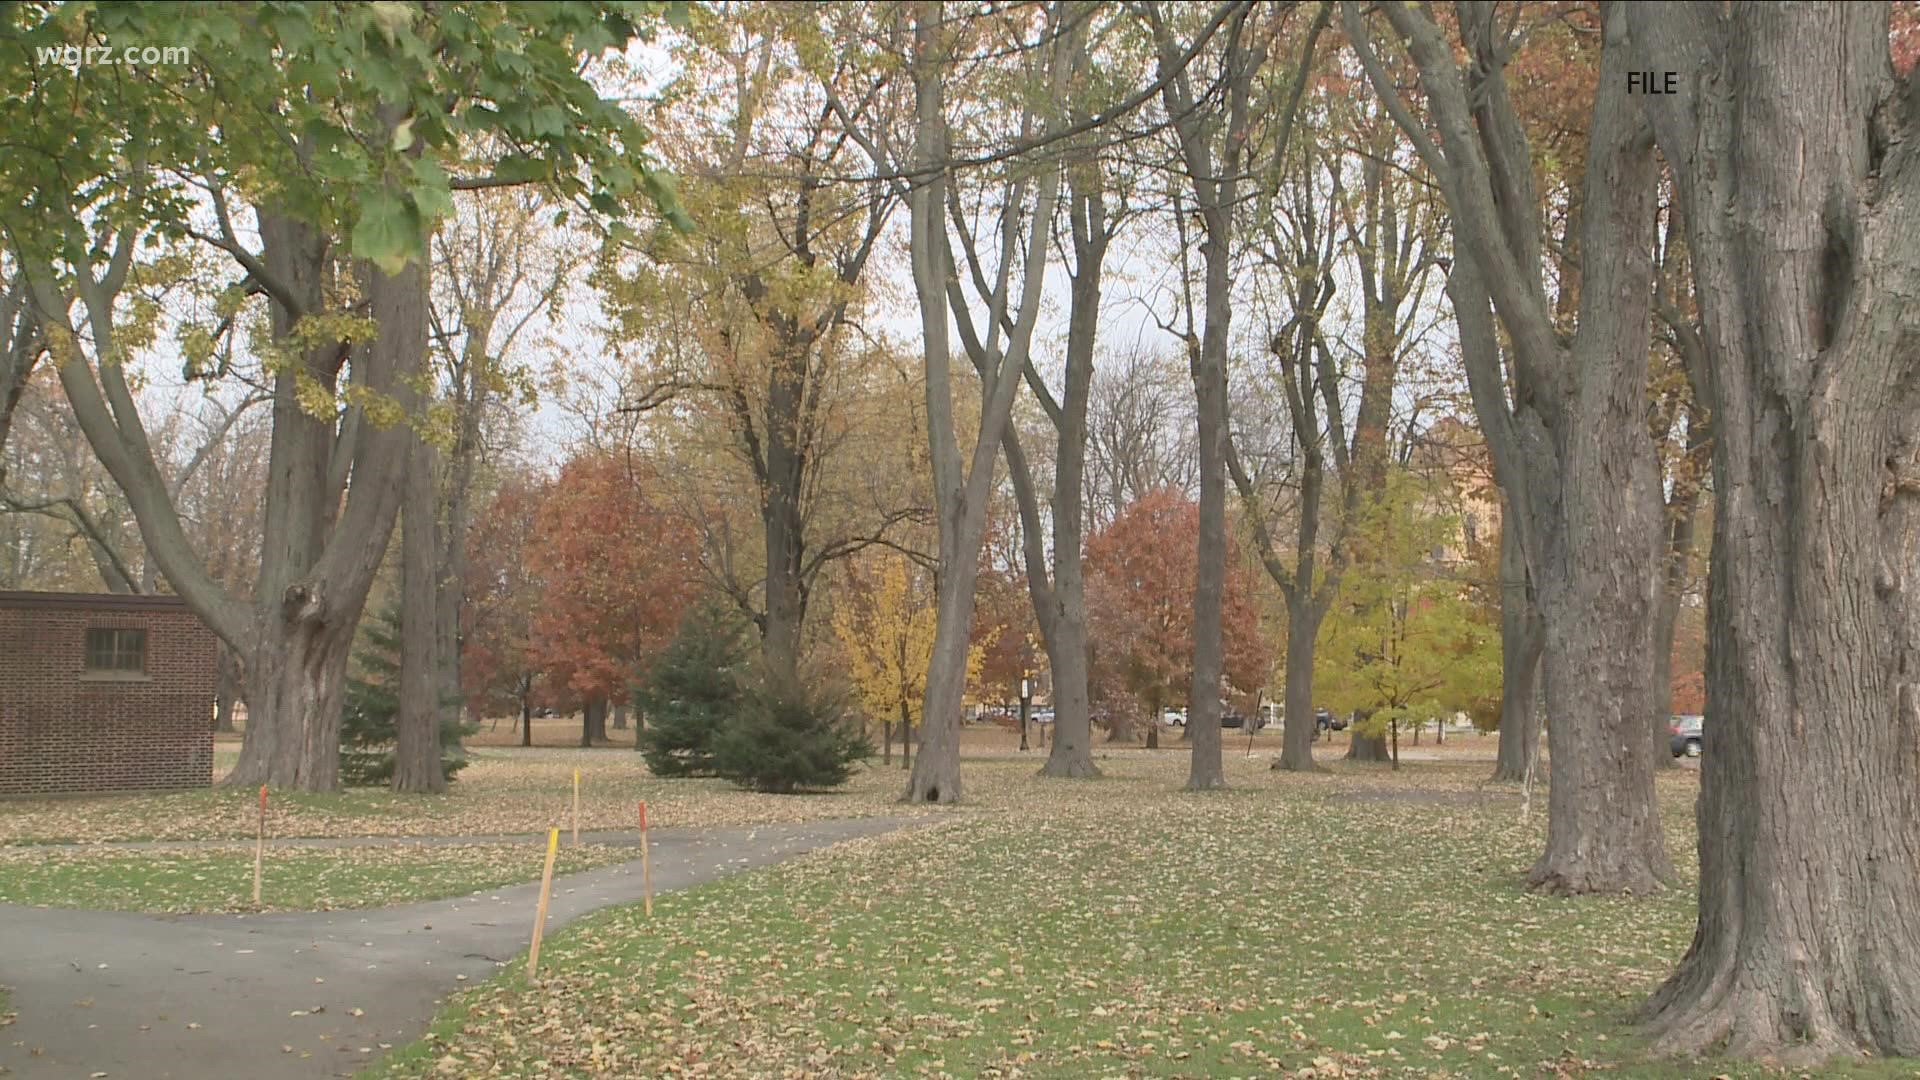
(690, 691)
(367, 722)
(790, 735)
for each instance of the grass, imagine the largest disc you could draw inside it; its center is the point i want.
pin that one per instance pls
(1118, 928)
(500, 792)
(294, 879)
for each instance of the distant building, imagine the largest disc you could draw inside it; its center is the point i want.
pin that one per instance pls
(104, 692)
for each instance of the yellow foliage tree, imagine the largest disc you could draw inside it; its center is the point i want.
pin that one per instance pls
(885, 623)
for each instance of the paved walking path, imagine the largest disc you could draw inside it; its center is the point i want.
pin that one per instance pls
(306, 994)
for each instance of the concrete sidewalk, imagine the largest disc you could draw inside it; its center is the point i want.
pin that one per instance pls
(307, 994)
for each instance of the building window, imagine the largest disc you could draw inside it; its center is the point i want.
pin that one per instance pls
(116, 650)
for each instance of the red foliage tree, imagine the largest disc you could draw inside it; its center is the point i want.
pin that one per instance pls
(617, 569)
(497, 663)
(1140, 578)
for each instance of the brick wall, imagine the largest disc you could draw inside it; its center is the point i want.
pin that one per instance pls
(65, 729)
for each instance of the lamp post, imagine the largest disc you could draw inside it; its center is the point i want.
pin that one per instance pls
(1026, 700)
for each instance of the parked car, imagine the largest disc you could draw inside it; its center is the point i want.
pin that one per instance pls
(1231, 717)
(1174, 718)
(1043, 716)
(1329, 722)
(1686, 732)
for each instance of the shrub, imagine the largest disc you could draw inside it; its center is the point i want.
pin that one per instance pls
(373, 707)
(790, 735)
(690, 691)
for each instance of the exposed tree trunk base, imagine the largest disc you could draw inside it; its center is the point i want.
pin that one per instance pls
(1071, 765)
(1369, 748)
(1780, 1012)
(294, 680)
(1282, 764)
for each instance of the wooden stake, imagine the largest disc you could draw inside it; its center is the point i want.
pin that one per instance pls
(260, 846)
(646, 864)
(576, 808)
(540, 914)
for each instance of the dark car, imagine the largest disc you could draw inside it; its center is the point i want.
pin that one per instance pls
(1329, 722)
(1686, 731)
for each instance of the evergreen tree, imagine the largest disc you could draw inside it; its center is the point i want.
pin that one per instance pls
(690, 691)
(790, 735)
(373, 704)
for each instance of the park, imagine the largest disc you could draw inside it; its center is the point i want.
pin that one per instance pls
(1060, 538)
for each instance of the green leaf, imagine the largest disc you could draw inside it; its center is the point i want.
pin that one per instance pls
(431, 193)
(403, 136)
(388, 233)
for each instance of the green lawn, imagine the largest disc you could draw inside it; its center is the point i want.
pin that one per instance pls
(1116, 928)
(500, 791)
(296, 879)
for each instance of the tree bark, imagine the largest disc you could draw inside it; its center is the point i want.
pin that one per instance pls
(1802, 203)
(1368, 748)
(1521, 640)
(1301, 725)
(619, 722)
(593, 722)
(1570, 446)
(785, 466)
(416, 766)
(961, 490)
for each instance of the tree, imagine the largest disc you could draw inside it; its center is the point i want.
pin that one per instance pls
(616, 570)
(690, 691)
(498, 666)
(885, 621)
(772, 285)
(369, 722)
(886, 628)
(366, 118)
(789, 736)
(1569, 442)
(1801, 200)
(1406, 641)
(1214, 154)
(998, 347)
(1140, 574)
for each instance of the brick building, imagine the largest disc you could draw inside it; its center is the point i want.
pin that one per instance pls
(104, 692)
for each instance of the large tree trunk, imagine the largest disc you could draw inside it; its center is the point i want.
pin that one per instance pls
(1521, 639)
(1597, 601)
(593, 722)
(619, 722)
(1072, 750)
(1065, 630)
(1570, 443)
(1300, 726)
(1368, 748)
(317, 561)
(1803, 202)
(936, 772)
(961, 488)
(416, 766)
(295, 675)
(781, 517)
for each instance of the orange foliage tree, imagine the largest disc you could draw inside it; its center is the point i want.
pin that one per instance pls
(1140, 577)
(617, 569)
(497, 663)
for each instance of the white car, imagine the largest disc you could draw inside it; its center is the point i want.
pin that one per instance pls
(1174, 718)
